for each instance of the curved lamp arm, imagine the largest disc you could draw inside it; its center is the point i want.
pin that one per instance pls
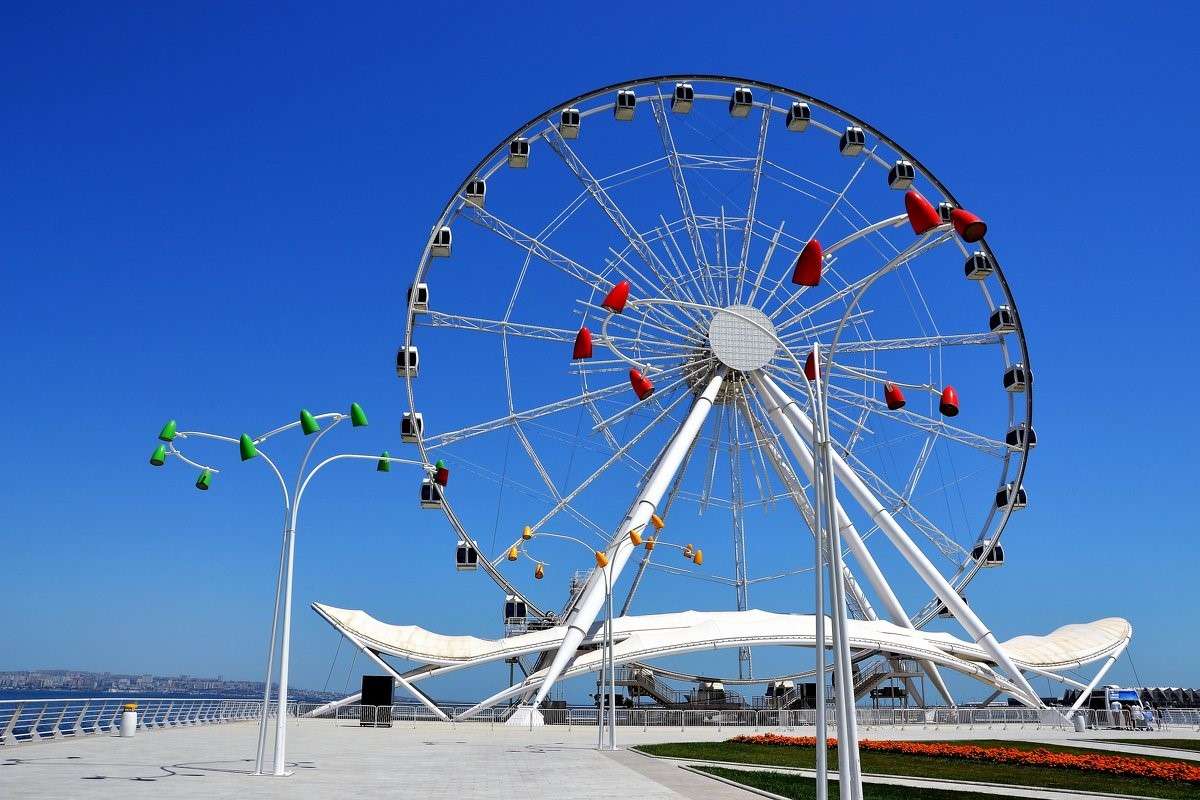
(287, 499)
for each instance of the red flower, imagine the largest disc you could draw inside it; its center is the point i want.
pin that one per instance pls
(1180, 771)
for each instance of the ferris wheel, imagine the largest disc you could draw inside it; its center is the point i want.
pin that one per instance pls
(619, 304)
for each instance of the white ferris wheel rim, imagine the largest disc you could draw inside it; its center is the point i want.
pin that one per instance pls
(724, 328)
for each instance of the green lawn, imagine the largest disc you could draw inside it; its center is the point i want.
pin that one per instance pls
(927, 767)
(805, 788)
(1175, 744)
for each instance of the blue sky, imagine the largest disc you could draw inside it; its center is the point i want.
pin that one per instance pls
(213, 214)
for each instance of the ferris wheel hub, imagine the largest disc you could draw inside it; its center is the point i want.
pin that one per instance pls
(742, 337)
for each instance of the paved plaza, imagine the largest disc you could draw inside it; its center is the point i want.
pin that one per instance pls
(425, 760)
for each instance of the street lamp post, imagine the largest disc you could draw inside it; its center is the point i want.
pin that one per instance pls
(250, 448)
(607, 660)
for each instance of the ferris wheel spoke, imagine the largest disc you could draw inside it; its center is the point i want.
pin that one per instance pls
(690, 573)
(758, 463)
(630, 442)
(914, 475)
(536, 247)
(635, 326)
(659, 393)
(898, 504)
(471, 431)
(440, 319)
(804, 335)
(991, 447)
(681, 192)
(688, 277)
(766, 262)
(710, 470)
(752, 205)
(817, 229)
(610, 208)
(919, 247)
(920, 342)
(521, 488)
(666, 280)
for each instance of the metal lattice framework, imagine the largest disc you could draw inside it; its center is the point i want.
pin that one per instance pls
(702, 197)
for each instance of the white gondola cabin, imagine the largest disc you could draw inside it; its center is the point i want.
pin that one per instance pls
(1016, 378)
(944, 210)
(412, 425)
(740, 102)
(439, 246)
(978, 266)
(988, 554)
(1002, 320)
(431, 494)
(476, 192)
(1011, 493)
(1020, 437)
(852, 142)
(466, 557)
(683, 98)
(945, 613)
(624, 105)
(418, 297)
(901, 175)
(408, 362)
(515, 612)
(518, 153)
(798, 116)
(568, 123)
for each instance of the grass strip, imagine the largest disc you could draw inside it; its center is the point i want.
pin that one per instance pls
(1173, 744)
(803, 788)
(934, 767)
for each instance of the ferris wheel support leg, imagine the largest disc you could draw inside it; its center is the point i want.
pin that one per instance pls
(912, 554)
(874, 575)
(591, 599)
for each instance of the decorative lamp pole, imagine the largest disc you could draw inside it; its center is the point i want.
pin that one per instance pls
(250, 448)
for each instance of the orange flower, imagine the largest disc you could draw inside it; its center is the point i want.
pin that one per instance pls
(1180, 771)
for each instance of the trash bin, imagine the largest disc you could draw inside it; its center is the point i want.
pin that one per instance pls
(129, 720)
(1080, 722)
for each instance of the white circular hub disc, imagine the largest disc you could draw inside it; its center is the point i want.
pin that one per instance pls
(742, 337)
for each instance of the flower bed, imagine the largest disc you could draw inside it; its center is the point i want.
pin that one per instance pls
(1133, 766)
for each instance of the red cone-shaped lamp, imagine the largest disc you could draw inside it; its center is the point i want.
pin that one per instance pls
(893, 397)
(583, 344)
(949, 404)
(614, 301)
(921, 214)
(642, 386)
(970, 227)
(808, 265)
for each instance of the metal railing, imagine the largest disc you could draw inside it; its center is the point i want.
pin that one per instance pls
(56, 719)
(997, 717)
(62, 718)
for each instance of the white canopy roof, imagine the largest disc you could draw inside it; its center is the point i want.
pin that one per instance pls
(650, 636)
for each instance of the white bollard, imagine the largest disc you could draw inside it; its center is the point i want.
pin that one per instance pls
(129, 720)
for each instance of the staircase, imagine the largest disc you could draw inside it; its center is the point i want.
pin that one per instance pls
(642, 682)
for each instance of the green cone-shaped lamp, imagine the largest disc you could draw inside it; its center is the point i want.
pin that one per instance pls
(358, 417)
(167, 434)
(308, 423)
(384, 465)
(246, 445)
(159, 456)
(205, 480)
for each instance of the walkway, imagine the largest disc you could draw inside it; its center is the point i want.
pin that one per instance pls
(426, 760)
